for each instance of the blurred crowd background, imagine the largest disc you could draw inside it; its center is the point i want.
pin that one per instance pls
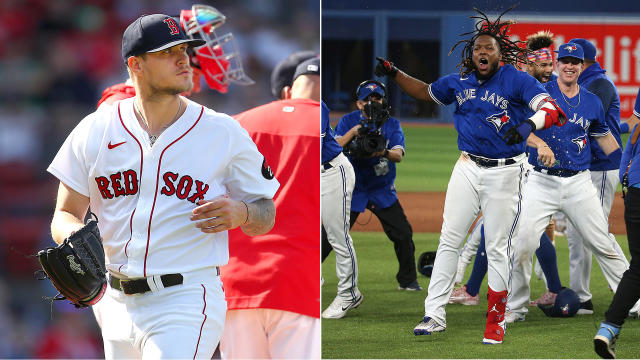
(56, 57)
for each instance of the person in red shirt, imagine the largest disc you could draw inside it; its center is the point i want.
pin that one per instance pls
(271, 281)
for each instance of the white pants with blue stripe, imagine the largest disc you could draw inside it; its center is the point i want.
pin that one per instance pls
(496, 191)
(580, 257)
(336, 188)
(576, 197)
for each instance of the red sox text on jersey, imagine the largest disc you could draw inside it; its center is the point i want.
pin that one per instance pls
(125, 183)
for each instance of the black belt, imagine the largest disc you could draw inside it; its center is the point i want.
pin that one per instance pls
(557, 172)
(139, 286)
(327, 166)
(489, 163)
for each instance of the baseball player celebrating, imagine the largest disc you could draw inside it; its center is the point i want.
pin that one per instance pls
(163, 215)
(271, 280)
(603, 170)
(491, 103)
(567, 186)
(337, 184)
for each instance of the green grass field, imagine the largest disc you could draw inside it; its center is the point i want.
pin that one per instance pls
(382, 327)
(431, 153)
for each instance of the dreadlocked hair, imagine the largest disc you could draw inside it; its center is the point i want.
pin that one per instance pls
(539, 40)
(511, 52)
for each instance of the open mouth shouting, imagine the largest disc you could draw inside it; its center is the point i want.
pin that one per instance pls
(483, 64)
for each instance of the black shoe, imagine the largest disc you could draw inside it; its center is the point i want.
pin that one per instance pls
(586, 308)
(413, 286)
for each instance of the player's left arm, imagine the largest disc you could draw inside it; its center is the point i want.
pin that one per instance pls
(223, 213)
(608, 143)
(599, 130)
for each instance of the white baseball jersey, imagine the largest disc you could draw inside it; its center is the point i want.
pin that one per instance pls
(143, 195)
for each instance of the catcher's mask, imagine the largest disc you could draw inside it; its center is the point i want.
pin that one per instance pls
(218, 59)
(425, 263)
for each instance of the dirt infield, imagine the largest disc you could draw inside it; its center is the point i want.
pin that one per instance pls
(424, 210)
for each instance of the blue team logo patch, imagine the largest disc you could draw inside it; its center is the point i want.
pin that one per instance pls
(498, 120)
(581, 142)
(372, 87)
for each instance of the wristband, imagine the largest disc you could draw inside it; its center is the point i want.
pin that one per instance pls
(386, 153)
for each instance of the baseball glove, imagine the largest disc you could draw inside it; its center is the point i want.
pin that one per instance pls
(77, 267)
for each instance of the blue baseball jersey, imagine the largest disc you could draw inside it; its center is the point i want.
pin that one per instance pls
(631, 154)
(570, 143)
(330, 147)
(597, 82)
(485, 111)
(379, 190)
(636, 108)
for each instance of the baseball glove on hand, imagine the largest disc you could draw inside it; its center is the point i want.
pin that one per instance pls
(77, 267)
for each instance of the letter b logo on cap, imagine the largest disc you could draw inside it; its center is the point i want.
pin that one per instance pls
(173, 27)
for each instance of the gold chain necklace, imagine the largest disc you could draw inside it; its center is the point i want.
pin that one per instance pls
(153, 138)
(567, 101)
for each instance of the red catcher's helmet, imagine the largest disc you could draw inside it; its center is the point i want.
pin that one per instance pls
(218, 59)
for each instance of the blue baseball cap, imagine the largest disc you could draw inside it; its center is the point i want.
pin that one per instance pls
(587, 46)
(369, 89)
(570, 50)
(151, 33)
(567, 304)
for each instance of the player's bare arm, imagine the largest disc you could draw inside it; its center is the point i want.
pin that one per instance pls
(608, 143)
(223, 213)
(71, 206)
(415, 88)
(545, 155)
(632, 121)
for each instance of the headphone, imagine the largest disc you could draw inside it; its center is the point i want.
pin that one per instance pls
(367, 82)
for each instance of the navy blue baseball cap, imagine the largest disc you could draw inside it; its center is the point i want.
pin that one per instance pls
(570, 50)
(307, 67)
(282, 74)
(369, 89)
(151, 33)
(567, 304)
(587, 46)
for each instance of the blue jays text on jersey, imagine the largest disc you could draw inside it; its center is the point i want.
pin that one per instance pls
(570, 143)
(369, 186)
(486, 110)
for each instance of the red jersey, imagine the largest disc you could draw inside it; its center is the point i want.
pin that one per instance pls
(281, 270)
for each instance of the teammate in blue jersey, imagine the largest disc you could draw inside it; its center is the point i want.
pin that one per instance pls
(566, 186)
(492, 102)
(628, 291)
(337, 180)
(376, 173)
(604, 170)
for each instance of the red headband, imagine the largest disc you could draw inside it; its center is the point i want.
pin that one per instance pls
(540, 55)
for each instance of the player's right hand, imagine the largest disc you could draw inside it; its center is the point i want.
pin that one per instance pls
(546, 156)
(385, 68)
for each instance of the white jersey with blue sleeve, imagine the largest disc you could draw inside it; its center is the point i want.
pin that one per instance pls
(485, 110)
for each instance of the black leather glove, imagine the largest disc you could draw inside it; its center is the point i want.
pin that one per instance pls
(385, 68)
(520, 133)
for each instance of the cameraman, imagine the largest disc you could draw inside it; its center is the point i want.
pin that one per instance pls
(374, 143)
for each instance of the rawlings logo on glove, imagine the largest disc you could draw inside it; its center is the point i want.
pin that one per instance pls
(76, 267)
